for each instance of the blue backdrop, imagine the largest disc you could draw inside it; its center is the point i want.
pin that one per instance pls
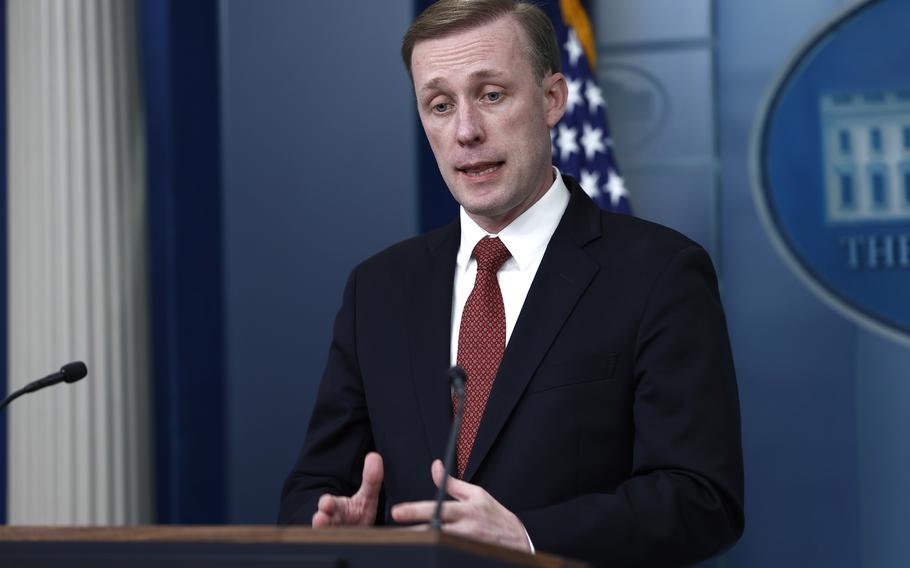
(318, 143)
(179, 47)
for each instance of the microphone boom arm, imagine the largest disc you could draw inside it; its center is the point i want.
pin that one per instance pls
(70, 373)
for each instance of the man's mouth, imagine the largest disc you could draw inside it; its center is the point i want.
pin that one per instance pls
(480, 168)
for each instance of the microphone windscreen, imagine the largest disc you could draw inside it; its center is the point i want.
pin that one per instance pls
(74, 371)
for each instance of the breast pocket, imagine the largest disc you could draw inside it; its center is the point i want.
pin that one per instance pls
(573, 371)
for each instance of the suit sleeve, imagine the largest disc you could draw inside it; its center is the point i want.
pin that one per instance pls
(339, 434)
(683, 500)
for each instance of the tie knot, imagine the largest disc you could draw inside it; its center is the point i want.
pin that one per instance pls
(490, 254)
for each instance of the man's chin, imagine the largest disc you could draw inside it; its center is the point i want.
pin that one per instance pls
(480, 199)
(491, 217)
(481, 208)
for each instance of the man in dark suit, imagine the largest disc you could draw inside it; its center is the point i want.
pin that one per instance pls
(602, 418)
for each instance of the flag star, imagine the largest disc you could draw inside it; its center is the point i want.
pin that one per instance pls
(574, 97)
(566, 142)
(590, 182)
(594, 96)
(615, 187)
(573, 47)
(592, 140)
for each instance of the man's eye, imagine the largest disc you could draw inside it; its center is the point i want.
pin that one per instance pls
(441, 107)
(493, 96)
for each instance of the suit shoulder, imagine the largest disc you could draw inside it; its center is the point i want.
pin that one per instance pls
(640, 238)
(620, 235)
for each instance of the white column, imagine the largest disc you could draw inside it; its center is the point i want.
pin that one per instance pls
(81, 453)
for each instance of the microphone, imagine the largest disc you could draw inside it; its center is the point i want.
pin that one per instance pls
(70, 373)
(457, 378)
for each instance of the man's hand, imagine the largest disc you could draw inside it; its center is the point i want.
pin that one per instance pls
(358, 510)
(475, 513)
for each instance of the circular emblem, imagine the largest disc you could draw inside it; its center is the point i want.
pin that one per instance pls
(644, 100)
(831, 164)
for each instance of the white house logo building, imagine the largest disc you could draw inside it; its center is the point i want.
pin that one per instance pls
(831, 164)
(866, 139)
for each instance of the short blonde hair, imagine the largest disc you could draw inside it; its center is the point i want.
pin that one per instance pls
(449, 16)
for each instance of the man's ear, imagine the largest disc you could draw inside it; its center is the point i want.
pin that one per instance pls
(555, 94)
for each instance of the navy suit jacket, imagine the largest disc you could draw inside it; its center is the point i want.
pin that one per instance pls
(612, 430)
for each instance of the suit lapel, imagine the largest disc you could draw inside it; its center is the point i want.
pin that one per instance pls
(564, 274)
(429, 312)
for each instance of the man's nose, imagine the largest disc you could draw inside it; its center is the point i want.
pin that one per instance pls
(470, 126)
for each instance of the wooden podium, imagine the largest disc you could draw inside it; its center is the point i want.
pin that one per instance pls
(242, 546)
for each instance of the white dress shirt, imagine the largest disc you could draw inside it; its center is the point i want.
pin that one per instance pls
(526, 238)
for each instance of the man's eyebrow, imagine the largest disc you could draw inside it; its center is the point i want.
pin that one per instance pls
(432, 84)
(437, 82)
(486, 74)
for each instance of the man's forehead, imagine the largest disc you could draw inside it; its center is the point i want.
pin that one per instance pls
(480, 52)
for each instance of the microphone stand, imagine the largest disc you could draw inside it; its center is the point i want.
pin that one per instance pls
(457, 379)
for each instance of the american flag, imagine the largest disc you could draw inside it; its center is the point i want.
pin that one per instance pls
(582, 146)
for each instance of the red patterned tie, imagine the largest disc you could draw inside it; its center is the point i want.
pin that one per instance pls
(481, 340)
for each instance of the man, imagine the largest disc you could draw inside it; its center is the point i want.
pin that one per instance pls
(602, 419)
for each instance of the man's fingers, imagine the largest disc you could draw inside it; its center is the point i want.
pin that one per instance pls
(321, 520)
(415, 512)
(459, 527)
(372, 477)
(331, 511)
(328, 504)
(360, 509)
(457, 488)
(437, 470)
(422, 511)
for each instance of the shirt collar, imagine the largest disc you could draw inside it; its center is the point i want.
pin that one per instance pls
(527, 236)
